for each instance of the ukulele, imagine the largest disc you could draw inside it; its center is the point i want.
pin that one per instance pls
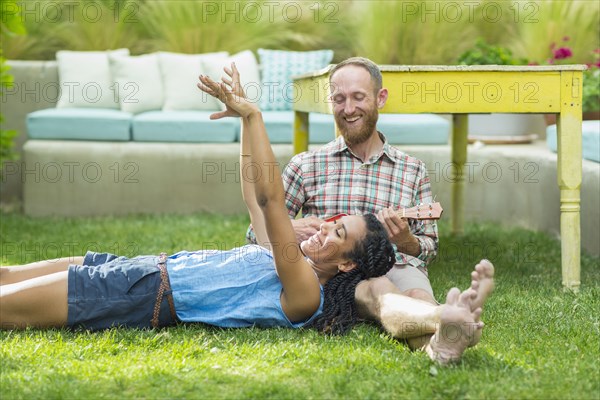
(428, 211)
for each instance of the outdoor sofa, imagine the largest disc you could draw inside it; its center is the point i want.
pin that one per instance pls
(132, 133)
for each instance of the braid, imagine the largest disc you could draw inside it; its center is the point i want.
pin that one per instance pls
(374, 256)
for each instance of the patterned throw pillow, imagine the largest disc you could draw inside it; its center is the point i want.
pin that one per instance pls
(278, 66)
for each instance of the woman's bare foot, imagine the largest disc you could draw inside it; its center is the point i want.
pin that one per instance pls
(478, 327)
(482, 280)
(457, 327)
(483, 284)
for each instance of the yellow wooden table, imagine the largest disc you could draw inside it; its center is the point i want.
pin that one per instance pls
(463, 90)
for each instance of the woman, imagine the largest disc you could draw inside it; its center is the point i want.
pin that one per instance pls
(275, 284)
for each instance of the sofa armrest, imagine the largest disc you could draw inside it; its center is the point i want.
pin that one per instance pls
(36, 86)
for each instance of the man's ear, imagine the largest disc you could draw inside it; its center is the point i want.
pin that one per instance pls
(382, 97)
(347, 266)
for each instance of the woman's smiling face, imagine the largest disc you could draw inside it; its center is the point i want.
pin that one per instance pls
(328, 247)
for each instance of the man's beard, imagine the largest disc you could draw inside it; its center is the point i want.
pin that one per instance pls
(359, 134)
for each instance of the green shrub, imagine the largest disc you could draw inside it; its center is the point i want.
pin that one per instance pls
(10, 25)
(487, 54)
(591, 89)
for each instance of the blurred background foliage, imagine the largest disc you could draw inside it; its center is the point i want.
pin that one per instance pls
(389, 32)
(10, 26)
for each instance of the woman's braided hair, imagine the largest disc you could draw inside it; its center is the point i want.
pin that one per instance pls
(374, 256)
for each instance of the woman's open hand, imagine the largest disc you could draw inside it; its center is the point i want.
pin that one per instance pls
(230, 92)
(234, 82)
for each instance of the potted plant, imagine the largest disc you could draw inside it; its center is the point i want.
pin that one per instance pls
(497, 128)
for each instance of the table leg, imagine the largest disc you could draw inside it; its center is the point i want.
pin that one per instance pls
(459, 158)
(300, 139)
(569, 182)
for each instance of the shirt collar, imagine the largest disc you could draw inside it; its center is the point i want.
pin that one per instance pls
(341, 146)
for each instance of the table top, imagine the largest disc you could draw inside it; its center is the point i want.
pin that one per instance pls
(454, 68)
(463, 89)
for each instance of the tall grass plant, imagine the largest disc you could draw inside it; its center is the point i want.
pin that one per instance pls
(208, 26)
(389, 32)
(402, 32)
(108, 25)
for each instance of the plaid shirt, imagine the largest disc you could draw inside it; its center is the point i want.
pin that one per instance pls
(332, 180)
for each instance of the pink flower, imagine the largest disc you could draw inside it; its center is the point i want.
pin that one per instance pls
(562, 53)
(597, 64)
(566, 38)
(597, 51)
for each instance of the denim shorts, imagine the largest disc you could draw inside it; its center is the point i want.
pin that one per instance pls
(110, 291)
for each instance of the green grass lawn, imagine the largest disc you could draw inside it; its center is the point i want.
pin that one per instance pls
(539, 342)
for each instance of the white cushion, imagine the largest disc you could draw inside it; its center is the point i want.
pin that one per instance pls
(246, 63)
(179, 77)
(139, 82)
(85, 79)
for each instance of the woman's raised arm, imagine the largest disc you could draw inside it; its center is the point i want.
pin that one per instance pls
(301, 291)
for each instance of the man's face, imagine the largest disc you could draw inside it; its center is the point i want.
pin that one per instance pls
(355, 104)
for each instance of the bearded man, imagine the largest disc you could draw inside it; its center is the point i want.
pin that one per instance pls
(359, 173)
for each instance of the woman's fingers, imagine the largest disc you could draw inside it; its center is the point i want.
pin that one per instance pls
(206, 89)
(213, 88)
(227, 95)
(227, 81)
(219, 115)
(226, 91)
(205, 85)
(235, 76)
(209, 83)
(234, 69)
(234, 83)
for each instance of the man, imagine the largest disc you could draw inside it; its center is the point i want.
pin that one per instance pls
(360, 173)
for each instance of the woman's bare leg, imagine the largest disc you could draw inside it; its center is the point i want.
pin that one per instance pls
(19, 273)
(40, 302)
(446, 330)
